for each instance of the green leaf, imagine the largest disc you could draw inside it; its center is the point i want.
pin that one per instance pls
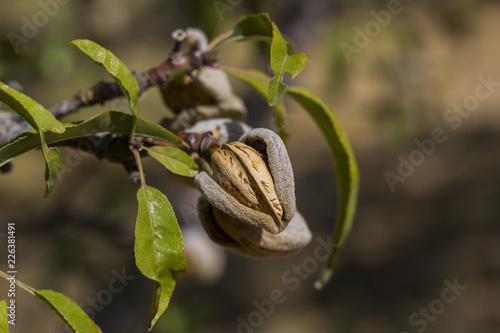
(117, 69)
(72, 315)
(159, 248)
(52, 167)
(33, 113)
(347, 171)
(42, 121)
(282, 63)
(108, 122)
(4, 326)
(260, 82)
(174, 160)
(249, 28)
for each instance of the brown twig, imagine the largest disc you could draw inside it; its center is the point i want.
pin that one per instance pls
(11, 125)
(105, 91)
(112, 147)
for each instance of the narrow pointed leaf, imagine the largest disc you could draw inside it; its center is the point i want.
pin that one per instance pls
(249, 28)
(108, 122)
(33, 113)
(347, 171)
(174, 160)
(115, 67)
(159, 248)
(260, 82)
(4, 326)
(281, 63)
(72, 315)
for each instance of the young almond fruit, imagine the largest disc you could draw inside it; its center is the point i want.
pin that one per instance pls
(250, 241)
(252, 181)
(242, 172)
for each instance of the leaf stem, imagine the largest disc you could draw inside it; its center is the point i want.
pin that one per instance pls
(138, 161)
(19, 283)
(218, 40)
(244, 71)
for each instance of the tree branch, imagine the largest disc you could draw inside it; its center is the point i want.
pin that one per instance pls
(11, 125)
(106, 91)
(111, 146)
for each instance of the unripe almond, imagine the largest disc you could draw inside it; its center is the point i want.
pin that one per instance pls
(242, 172)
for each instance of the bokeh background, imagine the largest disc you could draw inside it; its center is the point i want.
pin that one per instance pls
(440, 224)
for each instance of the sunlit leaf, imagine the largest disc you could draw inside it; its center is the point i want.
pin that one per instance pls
(42, 121)
(115, 67)
(347, 171)
(72, 315)
(159, 248)
(174, 160)
(281, 63)
(260, 82)
(33, 113)
(108, 122)
(4, 326)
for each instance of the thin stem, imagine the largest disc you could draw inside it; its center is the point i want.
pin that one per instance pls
(6, 276)
(137, 156)
(218, 40)
(158, 142)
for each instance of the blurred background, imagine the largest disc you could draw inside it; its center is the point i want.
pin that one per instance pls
(390, 81)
